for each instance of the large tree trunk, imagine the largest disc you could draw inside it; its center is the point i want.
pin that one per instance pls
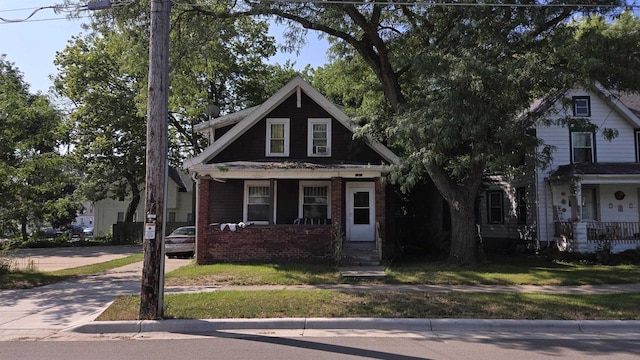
(23, 230)
(463, 231)
(135, 200)
(461, 196)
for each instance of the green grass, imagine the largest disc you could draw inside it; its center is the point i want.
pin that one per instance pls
(254, 274)
(335, 304)
(516, 271)
(29, 278)
(522, 272)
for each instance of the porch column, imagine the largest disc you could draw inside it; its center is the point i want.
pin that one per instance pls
(271, 201)
(202, 218)
(337, 199)
(380, 205)
(578, 192)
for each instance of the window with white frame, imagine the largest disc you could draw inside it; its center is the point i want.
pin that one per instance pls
(277, 143)
(315, 200)
(319, 137)
(582, 147)
(257, 202)
(581, 106)
(495, 207)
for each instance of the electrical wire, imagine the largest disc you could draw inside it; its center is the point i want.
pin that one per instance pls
(449, 3)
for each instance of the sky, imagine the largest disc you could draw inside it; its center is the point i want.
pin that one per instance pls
(32, 45)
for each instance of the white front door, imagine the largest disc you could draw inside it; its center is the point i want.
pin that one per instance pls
(360, 211)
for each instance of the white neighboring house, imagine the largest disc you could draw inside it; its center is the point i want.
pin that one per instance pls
(588, 197)
(179, 205)
(86, 216)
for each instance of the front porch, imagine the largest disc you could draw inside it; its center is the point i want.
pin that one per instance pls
(590, 236)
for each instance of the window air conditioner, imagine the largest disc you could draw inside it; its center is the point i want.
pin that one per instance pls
(321, 150)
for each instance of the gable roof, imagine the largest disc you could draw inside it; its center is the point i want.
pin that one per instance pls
(260, 111)
(627, 105)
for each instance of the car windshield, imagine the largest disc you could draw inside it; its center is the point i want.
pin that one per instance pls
(184, 231)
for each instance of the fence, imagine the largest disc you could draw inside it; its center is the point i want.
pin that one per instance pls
(131, 233)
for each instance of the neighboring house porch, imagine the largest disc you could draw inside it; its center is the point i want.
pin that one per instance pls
(596, 206)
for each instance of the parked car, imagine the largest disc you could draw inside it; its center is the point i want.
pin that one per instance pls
(88, 232)
(52, 232)
(181, 242)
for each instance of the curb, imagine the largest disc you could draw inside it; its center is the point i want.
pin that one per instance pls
(386, 324)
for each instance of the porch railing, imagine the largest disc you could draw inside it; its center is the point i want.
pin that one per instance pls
(617, 231)
(378, 241)
(563, 229)
(612, 231)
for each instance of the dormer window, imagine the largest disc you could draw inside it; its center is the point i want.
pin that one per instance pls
(581, 106)
(319, 137)
(277, 143)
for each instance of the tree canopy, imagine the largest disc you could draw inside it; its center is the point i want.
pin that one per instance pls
(104, 74)
(35, 179)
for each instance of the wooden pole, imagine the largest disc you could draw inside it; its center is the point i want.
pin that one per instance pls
(152, 286)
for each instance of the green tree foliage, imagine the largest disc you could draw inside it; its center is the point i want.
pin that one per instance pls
(456, 77)
(34, 176)
(104, 74)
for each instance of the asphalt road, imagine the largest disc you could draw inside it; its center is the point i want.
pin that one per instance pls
(445, 347)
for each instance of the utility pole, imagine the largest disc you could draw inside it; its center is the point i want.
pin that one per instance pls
(152, 287)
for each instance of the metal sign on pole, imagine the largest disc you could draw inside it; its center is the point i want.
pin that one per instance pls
(152, 284)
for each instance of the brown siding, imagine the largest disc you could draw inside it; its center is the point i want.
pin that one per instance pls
(287, 201)
(225, 201)
(250, 146)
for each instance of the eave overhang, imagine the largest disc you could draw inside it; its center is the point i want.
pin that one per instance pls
(287, 170)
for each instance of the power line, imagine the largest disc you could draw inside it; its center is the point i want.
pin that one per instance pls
(450, 3)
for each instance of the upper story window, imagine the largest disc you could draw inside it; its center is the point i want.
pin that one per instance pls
(319, 137)
(582, 147)
(495, 207)
(581, 106)
(257, 200)
(315, 199)
(277, 143)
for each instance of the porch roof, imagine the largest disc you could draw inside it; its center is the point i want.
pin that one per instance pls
(598, 172)
(287, 170)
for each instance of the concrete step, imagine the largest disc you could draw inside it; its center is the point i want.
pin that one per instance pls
(363, 271)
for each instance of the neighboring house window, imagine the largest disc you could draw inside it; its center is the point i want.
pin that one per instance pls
(172, 216)
(589, 203)
(581, 106)
(257, 199)
(319, 137)
(120, 216)
(189, 217)
(277, 137)
(521, 205)
(495, 207)
(315, 200)
(582, 147)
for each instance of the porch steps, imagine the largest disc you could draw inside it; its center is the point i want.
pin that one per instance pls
(359, 254)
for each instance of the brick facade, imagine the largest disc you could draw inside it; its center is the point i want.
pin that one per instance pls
(277, 243)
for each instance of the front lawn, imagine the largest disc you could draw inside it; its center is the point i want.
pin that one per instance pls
(515, 271)
(332, 304)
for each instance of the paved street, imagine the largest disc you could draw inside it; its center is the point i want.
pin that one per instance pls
(462, 346)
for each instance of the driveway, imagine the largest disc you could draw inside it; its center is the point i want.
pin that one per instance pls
(52, 259)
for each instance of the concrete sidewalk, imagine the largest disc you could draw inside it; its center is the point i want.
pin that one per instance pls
(68, 310)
